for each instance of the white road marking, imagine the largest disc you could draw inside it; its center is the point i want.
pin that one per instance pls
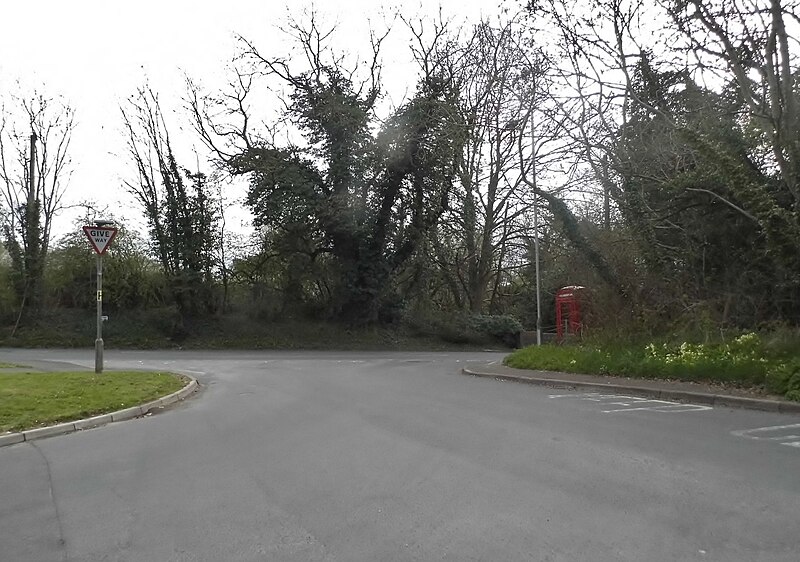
(672, 408)
(766, 434)
(749, 432)
(633, 403)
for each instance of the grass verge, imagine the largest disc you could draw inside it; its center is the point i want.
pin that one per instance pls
(32, 399)
(743, 362)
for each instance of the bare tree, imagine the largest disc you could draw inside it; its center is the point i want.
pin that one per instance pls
(496, 79)
(747, 42)
(34, 171)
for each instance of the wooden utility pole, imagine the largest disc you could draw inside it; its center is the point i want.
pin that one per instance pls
(31, 231)
(606, 195)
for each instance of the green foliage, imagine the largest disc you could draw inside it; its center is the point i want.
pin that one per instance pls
(365, 199)
(744, 360)
(27, 247)
(503, 328)
(70, 272)
(178, 206)
(246, 326)
(131, 278)
(784, 379)
(164, 321)
(460, 327)
(716, 236)
(8, 299)
(451, 328)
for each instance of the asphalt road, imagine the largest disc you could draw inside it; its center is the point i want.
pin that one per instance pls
(396, 456)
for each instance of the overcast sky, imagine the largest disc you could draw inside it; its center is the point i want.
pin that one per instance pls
(95, 53)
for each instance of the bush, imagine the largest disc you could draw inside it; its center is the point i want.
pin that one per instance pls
(503, 328)
(784, 379)
(452, 329)
(461, 328)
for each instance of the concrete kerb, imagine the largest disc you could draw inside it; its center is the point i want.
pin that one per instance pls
(120, 415)
(704, 398)
(127, 414)
(789, 407)
(93, 421)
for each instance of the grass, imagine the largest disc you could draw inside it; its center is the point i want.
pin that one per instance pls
(745, 362)
(9, 365)
(33, 399)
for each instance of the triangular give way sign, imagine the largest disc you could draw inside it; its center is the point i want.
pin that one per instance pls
(100, 237)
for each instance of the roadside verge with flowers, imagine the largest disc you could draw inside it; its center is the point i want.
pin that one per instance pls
(744, 361)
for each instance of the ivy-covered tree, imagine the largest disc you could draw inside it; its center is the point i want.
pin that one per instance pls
(177, 204)
(677, 200)
(687, 115)
(360, 190)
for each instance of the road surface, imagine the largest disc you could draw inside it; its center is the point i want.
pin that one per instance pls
(322, 456)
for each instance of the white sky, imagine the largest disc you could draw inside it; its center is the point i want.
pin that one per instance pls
(95, 53)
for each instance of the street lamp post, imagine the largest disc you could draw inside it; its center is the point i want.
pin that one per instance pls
(536, 235)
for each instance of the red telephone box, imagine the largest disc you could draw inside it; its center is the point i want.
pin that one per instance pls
(568, 311)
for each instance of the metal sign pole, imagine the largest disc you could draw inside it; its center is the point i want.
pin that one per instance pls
(98, 343)
(100, 236)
